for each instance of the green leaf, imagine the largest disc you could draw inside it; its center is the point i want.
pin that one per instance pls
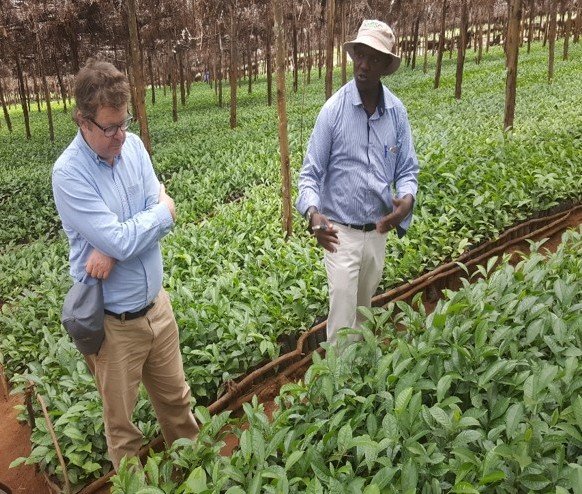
(467, 436)
(293, 458)
(196, 481)
(534, 482)
(464, 488)
(443, 386)
(384, 476)
(514, 417)
(441, 417)
(344, 438)
(402, 400)
(73, 433)
(492, 477)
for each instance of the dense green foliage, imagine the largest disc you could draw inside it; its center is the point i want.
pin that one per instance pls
(235, 283)
(482, 395)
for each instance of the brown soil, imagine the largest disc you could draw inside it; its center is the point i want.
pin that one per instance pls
(15, 442)
(15, 438)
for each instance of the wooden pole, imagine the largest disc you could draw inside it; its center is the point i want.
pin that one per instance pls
(22, 93)
(329, 48)
(512, 53)
(269, 42)
(282, 111)
(552, 39)
(5, 109)
(343, 40)
(233, 64)
(47, 95)
(138, 77)
(441, 48)
(462, 48)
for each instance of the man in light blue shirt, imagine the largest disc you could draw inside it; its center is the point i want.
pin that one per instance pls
(114, 212)
(359, 151)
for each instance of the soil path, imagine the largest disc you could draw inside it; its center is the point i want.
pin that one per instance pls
(15, 442)
(15, 437)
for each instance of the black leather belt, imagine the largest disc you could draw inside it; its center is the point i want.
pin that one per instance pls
(368, 227)
(127, 316)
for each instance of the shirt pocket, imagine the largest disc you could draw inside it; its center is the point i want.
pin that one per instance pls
(390, 154)
(135, 197)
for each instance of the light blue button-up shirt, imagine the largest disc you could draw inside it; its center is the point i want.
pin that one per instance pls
(114, 209)
(352, 161)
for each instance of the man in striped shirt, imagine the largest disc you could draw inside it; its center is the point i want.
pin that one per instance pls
(359, 151)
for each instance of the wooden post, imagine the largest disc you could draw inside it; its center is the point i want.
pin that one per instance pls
(552, 39)
(233, 64)
(512, 53)
(5, 109)
(61, 85)
(282, 111)
(180, 56)
(174, 75)
(343, 40)
(530, 24)
(152, 81)
(268, 54)
(138, 78)
(47, 95)
(441, 48)
(425, 36)
(415, 42)
(567, 29)
(295, 49)
(22, 93)
(329, 48)
(462, 48)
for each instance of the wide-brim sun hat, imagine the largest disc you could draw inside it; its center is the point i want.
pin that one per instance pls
(377, 35)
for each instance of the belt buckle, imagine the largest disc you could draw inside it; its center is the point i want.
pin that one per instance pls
(122, 317)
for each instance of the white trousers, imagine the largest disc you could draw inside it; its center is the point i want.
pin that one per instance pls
(353, 275)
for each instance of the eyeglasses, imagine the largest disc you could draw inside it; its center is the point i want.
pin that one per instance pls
(111, 130)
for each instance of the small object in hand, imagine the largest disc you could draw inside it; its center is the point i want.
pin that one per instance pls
(323, 227)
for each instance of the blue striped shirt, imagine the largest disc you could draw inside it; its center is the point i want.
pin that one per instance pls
(352, 161)
(113, 209)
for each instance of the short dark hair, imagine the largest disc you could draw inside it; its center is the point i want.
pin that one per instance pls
(99, 84)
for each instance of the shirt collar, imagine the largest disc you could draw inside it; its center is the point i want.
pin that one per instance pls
(85, 148)
(383, 104)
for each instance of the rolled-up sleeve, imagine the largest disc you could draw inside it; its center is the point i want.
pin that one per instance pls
(84, 211)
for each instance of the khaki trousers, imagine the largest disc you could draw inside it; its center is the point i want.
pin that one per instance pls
(353, 275)
(146, 349)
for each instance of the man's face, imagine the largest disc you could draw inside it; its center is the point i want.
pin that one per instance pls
(106, 147)
(368, 66)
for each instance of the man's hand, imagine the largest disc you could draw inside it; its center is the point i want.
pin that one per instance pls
(168, 201)
(99, 265)
(400, 209)
(324, 232)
